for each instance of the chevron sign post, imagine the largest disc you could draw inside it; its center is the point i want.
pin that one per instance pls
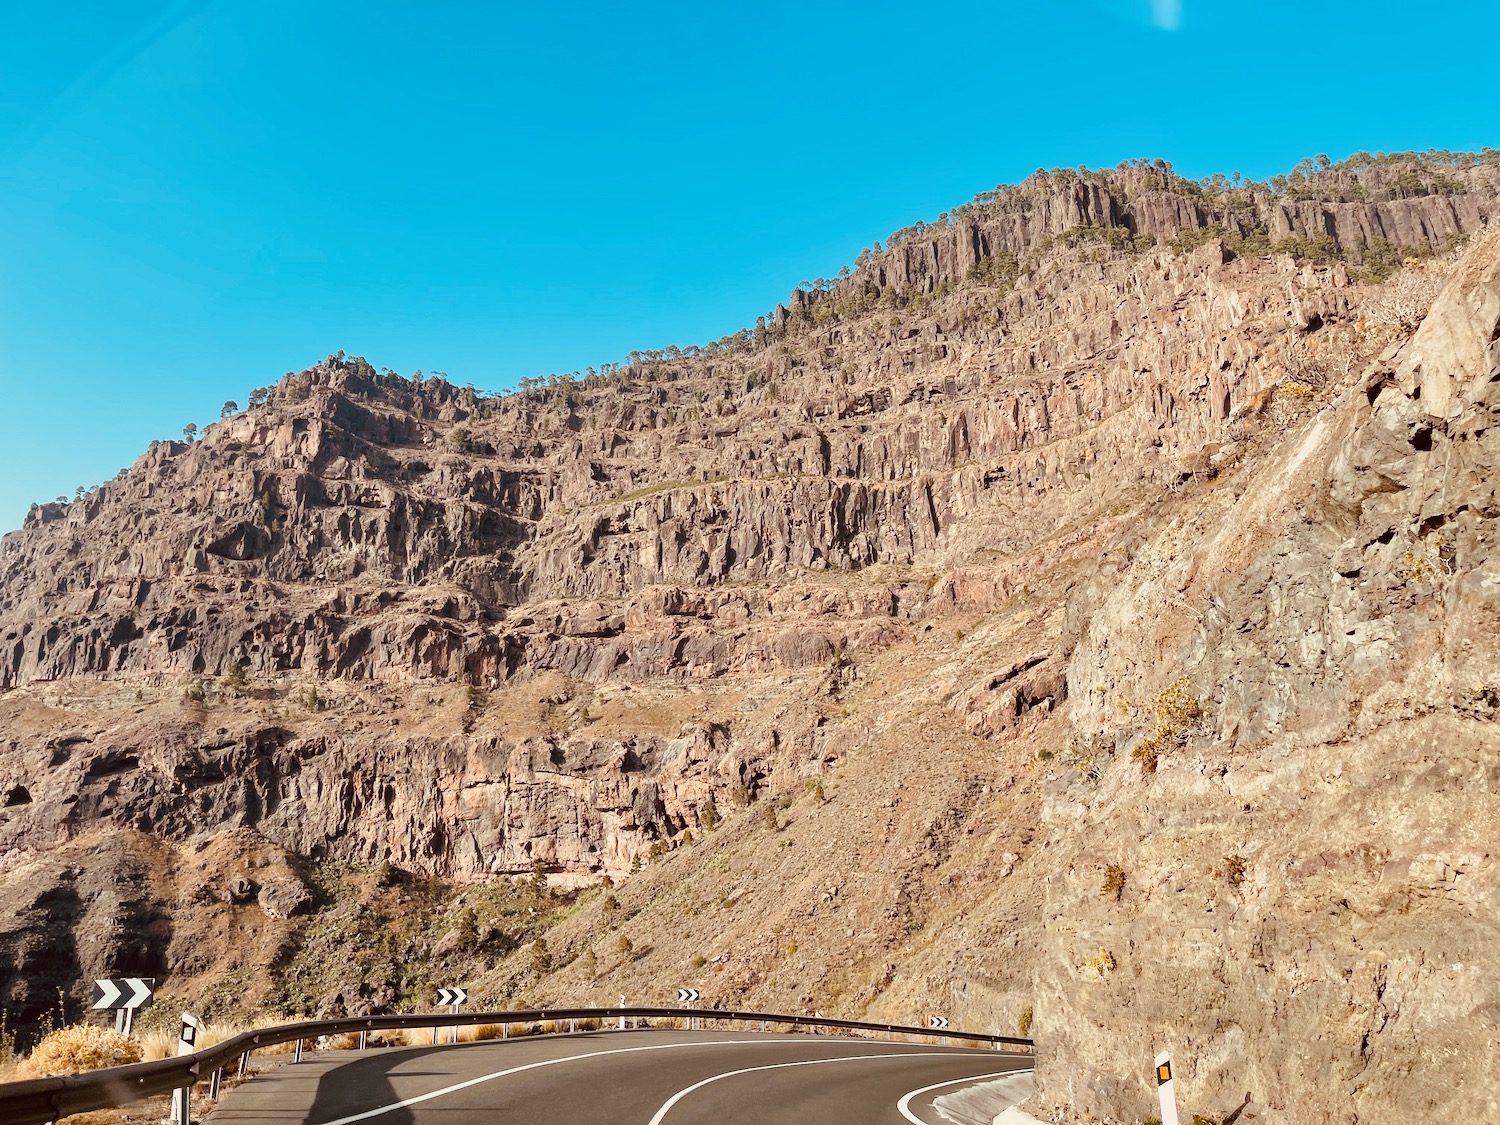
(938, 1023)
(689, 996)
(122, 996)
(450, 998)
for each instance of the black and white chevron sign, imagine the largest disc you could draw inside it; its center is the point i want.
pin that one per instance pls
(688, 995)
(126, 992)
(937, 1023)
(452, 997)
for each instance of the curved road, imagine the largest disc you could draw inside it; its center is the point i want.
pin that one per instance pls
(621, 1078)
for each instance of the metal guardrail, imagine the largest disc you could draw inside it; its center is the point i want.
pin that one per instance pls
(39, 1100)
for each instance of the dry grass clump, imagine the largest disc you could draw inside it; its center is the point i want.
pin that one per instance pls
(157, 1043)
(80, 1047)
(161, 1042)
(467, 1033)
(214, 1033)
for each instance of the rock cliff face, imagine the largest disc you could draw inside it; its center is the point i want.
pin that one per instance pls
(1117, 503)
(1311, 861)
(1359, 213)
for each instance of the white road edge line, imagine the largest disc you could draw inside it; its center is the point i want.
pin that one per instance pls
(369, 1113)
(677, 1097)
(904, 1105)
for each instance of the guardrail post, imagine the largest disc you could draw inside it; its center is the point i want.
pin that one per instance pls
(297, 1054)
(244, 1068)
(364, 1039)
(504, 1030)
(215, 1080)
(572, 1027)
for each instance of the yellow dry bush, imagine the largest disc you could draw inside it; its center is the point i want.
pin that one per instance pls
(1295, 388)
(1178, 712)
(72, 1050)
(1102, 962)
(1147, 754)
(1176, 707)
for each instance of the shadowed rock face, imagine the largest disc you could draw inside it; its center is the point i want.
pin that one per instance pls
(83, 913)
(375, 618)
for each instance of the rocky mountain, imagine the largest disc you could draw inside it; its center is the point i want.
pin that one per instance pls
(1082, 608)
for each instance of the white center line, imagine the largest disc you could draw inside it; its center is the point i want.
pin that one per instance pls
(369, 1113)
(677, 1097)
(904, 1105)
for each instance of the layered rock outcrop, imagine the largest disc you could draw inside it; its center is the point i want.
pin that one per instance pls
(343, 531)
(1356, 212)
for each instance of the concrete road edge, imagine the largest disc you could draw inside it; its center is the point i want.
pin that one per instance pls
(1014, 1116)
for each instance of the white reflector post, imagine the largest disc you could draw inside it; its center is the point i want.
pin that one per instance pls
(186, 1040)
(1164, 1092)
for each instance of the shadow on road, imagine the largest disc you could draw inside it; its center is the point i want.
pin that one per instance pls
(365, 1084)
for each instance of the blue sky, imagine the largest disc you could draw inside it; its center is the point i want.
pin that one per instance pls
(197, 197)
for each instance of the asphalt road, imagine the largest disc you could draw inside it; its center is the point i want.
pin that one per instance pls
(620, 1078)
